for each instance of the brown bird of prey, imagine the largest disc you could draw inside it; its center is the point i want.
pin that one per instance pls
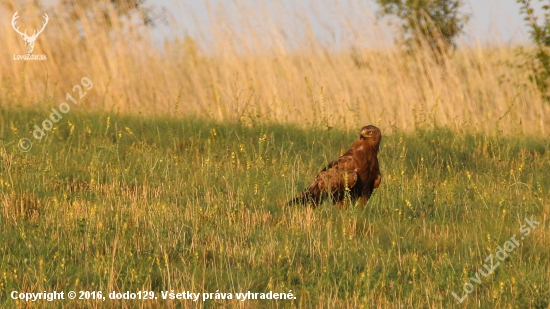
(356, 172)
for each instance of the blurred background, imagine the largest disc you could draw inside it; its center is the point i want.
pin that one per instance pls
(491, 20)
(313, 63)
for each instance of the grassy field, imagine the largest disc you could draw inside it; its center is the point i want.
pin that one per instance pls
(128, 203)
(173, 173)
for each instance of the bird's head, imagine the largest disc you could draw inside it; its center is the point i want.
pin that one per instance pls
(371, 135)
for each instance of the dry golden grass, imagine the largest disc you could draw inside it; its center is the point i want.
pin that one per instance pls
(107, 202)
(144, 204)
(243, 71)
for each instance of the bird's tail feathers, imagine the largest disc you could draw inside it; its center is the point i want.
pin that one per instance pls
(311, 194)
(302, 200)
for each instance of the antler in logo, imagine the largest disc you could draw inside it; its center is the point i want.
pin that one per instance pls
(29, 40)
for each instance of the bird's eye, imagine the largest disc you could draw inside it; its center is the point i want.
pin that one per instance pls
(370, 132)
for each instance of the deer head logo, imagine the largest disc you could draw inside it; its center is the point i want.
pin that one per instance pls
(29, 40)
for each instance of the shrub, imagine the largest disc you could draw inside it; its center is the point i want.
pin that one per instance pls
(538, 61)
(436, 22)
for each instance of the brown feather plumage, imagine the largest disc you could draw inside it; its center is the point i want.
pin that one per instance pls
(356, 171)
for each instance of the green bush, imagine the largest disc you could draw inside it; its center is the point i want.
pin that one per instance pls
(436, 22)
(538, 61)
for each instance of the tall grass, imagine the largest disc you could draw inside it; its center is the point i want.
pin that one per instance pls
(115, 203)
(173, 172)
(252, 66)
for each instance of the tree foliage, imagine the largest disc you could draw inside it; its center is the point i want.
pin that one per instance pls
(147, 13)
(437, 22)
(539, 60)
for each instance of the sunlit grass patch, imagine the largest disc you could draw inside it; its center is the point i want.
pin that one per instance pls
(117, 203)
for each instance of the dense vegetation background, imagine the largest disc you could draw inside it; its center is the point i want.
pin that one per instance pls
(172, 172)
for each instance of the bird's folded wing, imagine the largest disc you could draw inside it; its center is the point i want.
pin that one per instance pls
(344, 162)
(336, 179)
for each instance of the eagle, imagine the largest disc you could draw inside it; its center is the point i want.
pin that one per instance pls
(356, 172)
